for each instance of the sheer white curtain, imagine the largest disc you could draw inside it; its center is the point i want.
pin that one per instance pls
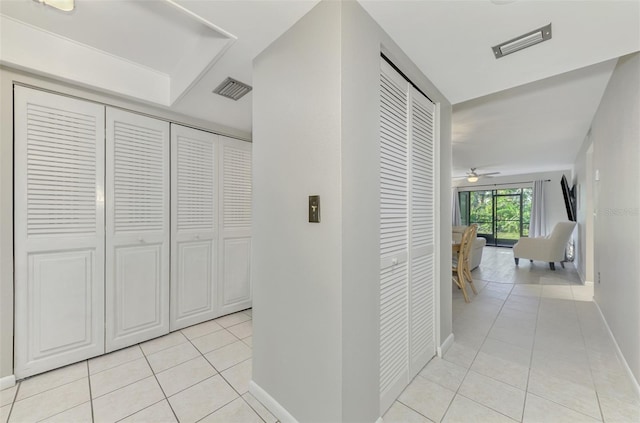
(455, 207)
(538, 223)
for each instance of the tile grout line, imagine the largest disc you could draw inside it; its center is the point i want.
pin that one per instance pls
(90, 394)
(228, 383)
(533, 347)
(142, 409)
(49, 389)
(160, 386)
(586, 349)
(457, 392)
(14, 401)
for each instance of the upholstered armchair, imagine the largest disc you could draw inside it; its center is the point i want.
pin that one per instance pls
(549, 248)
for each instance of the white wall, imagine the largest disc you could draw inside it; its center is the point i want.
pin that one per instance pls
(316, 131)
(296, 265)
(615, 134)
(9, 77)
(583, 180)
(554, 201)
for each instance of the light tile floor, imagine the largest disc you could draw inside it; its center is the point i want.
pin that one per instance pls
(200, 373)
(530, 347)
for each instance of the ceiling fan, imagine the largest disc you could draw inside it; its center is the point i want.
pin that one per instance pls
(473, 176)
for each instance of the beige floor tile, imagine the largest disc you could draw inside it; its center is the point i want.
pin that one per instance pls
(8, 395)
(461, 355)
(445, 373)
(259, 408)
(79, 414)
(463, 410)
(114, 359)
(184, 375)
(200, 400)
(117, 377)
(248, 312)
(575, 370)
(213, 341)
(172, 356)
(201, 329)
(494, 394)
(517, 337)
(428, 398)
(617, 411)
(230, 355)
(237, 411)
(232, 319)
(239, 376)
(400, 413)
(571, 395)
(248, 340)
(125, 401)
(159, 412)
(500, 369)
(4, 412)
(527, 290)
(163, 342)
(49, 403)
(54, 378)
(242, 330)
(540, 410)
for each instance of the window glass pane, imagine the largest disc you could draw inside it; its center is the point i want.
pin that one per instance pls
(464, 208)
(481, 211)
(508, 191)
(527, 194)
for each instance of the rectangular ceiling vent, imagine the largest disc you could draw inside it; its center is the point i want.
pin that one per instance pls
(232, 89)
(527, 40)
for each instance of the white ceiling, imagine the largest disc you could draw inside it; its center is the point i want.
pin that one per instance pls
(174, 53)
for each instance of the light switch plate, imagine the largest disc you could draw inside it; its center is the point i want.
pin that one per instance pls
(314, 208)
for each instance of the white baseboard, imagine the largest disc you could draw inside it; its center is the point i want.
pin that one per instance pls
(7, 382)
(272, 405)
(442, 349)
(634, 382)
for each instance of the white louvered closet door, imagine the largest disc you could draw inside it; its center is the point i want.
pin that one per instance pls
(407, 233)
(137, 256)
(235, 225)
(394, 236)
(194, 201)
(422, 232)
(59, 231)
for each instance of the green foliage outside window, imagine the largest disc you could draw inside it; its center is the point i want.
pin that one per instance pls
(511, 215)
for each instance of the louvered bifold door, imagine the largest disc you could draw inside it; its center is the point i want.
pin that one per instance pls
(235, 225)
(394, 221)
(194, 202)
(59, 231)
(422, 232)
(137, 256)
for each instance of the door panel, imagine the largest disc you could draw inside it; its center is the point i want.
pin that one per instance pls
(235, 226)
(194, 233)
(422, 342)
(59, 231)
(237, 270)
(394, 236)
(138, 288)
(137, 256)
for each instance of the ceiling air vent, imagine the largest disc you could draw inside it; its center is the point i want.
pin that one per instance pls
(527, 40)
(232, 89)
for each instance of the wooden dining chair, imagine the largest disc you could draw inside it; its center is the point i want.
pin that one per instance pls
(461, 270)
